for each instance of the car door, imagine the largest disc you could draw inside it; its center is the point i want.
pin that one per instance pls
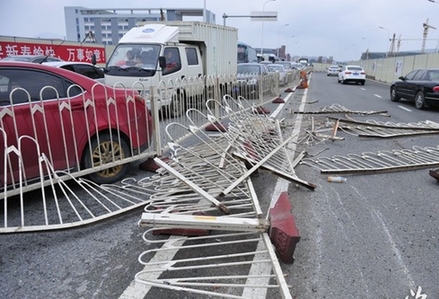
(35, 125)
(194, 70)
(404, 88)
(414, 85)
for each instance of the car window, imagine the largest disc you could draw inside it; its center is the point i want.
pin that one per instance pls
(50, 58)
(89, 71)
(419, 75)
(275, 68)
(243, 69)
(433, 75)
(43, 59)
(173, 61)
(33, 81)
(191, 55)
(411, 75)
(69, 67)
(354, 68)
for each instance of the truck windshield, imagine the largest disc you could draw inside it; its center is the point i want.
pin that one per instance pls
(134, 57)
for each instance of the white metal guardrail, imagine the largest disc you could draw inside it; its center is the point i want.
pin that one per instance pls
(76, 138)
(43, 145)
(188, 192)
(205, 191)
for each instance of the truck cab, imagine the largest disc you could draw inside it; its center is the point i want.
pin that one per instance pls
(134, 62)
(172, 59)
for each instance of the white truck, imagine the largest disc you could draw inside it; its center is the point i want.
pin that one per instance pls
(168, 55)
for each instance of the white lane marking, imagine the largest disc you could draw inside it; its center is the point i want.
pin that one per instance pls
(404, 108)
(395, 249)
(138, 290)
(281, 106)
(262, 268)
(378, 96)
(256, 269)
(281, 186)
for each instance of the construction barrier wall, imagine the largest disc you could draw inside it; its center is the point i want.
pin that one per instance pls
(389, 69)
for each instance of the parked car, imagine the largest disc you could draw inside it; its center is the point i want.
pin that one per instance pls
(266, 62)
(297, 66)
(278, 68)
(420, 85)
(352, 73)
(250, 77)
(31, 58)
(83, 68)
(333, 70)
(71, 121)
(287, 64)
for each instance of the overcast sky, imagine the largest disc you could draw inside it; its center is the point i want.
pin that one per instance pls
(339, 28)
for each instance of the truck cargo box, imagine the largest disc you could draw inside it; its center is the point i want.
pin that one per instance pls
(217, 44)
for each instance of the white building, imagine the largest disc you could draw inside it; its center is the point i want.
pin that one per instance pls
(107, 25)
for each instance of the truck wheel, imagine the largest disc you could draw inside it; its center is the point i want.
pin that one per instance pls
(102, 153)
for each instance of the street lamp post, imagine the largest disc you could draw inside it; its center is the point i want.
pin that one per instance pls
(262, 35)
(388, 38)
(291, 50)
(278, 39)
(366, 54)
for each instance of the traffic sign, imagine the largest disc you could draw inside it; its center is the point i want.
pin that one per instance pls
(263, 16)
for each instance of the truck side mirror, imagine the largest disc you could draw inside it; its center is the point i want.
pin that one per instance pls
(162, 62)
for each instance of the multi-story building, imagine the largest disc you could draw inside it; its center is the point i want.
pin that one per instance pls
(107, 26)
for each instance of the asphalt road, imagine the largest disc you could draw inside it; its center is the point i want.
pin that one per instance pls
(374, 236)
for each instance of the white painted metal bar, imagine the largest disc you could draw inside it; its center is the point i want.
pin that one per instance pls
(193, 186)
(256, 166)
(382, 161)
(217, 272)
(204, 222)
(210, 166)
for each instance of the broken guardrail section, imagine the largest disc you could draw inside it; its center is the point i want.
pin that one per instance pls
(206, 188)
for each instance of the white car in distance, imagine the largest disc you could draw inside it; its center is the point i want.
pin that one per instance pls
(279, 68)
(333, 70)
(352, 73)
